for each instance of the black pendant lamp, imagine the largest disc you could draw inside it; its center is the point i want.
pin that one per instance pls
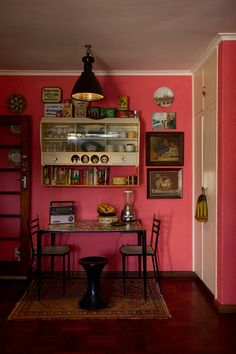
(87, 87)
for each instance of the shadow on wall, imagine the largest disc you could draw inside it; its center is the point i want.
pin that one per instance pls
(164, 249)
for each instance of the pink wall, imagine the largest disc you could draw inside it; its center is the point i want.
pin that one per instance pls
(227, 174)
(176, 230)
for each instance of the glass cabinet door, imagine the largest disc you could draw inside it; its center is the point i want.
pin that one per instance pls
(80, 143)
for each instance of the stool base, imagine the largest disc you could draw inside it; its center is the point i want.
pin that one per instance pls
(92, 299)
(92, 303)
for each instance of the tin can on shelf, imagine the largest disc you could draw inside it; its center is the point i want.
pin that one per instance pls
(120, 113)
(107, 112)
(93, 112)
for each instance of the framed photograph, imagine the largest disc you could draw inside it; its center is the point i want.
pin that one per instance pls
(163, 120)
(164, 148)
(164, 183)
(51, 94)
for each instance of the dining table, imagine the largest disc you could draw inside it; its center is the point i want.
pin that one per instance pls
(91, 227)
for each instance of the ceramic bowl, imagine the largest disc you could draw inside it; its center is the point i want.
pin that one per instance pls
(107, 219)
(119, 180)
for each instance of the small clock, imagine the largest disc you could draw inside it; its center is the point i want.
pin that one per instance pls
(16, 103)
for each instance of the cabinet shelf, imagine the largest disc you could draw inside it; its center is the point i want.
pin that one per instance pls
(15, 146)
(93, 186)
(13, 169)
(9, 215)
(9, 193)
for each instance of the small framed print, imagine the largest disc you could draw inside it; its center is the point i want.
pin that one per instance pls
(164, 148)
(163, 120)
(164, 183)
(51, 94)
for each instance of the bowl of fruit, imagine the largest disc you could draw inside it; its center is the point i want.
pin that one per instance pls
(106, 213)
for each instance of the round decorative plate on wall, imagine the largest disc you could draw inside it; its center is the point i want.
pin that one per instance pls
(16, 103)
(164, 96)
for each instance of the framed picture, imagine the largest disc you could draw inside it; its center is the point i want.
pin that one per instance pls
(163, 120)
(51, 94)
(164, 149)
(164, 183)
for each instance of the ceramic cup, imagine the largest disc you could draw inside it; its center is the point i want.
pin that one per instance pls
(121, 148)
(129, 148)
(131, 134)
(123, 134)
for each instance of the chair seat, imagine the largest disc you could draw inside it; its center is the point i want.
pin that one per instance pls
(135, 250)
(55, 250)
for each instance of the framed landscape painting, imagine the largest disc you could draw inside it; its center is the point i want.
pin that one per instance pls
(163, 120)
(164, 148)
(164, 183)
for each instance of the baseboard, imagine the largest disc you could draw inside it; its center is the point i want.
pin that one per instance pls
(224, 308)
(13, 277)
(220, 308)
(177, 274)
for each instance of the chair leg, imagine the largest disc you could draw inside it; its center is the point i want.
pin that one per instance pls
(123, 272)
(52, 266)
(156, 270)
(64, 275)
(68, 266)
(139, 266)
(30, 273)
(154, 267)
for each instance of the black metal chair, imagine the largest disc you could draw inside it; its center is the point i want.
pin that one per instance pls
(47, 251)
(136, 250)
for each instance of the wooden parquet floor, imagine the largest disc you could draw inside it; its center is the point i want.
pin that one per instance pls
(194, 328)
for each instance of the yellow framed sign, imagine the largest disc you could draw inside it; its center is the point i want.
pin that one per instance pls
(51, 94)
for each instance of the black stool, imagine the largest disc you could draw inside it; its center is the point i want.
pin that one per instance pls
(93, 266)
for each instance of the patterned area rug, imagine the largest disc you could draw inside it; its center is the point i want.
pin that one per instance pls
(53, 305)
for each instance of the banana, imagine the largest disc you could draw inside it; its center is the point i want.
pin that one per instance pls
(105, 208)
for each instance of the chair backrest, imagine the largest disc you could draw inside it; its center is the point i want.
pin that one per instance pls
(33, 229)
(156, 223)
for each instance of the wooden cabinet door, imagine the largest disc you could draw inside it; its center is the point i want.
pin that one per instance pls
(15, 162)
(210, 81)
(197, 87)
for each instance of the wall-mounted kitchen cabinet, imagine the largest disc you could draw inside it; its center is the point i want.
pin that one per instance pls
(85, 152)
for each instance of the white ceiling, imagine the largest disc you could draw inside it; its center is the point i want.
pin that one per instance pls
(137, 35)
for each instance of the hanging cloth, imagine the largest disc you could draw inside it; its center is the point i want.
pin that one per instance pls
(201, 213)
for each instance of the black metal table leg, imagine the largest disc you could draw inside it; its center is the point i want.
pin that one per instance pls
(144, 248)
(39, 261)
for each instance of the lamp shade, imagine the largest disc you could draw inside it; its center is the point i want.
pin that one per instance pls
(87, 87)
